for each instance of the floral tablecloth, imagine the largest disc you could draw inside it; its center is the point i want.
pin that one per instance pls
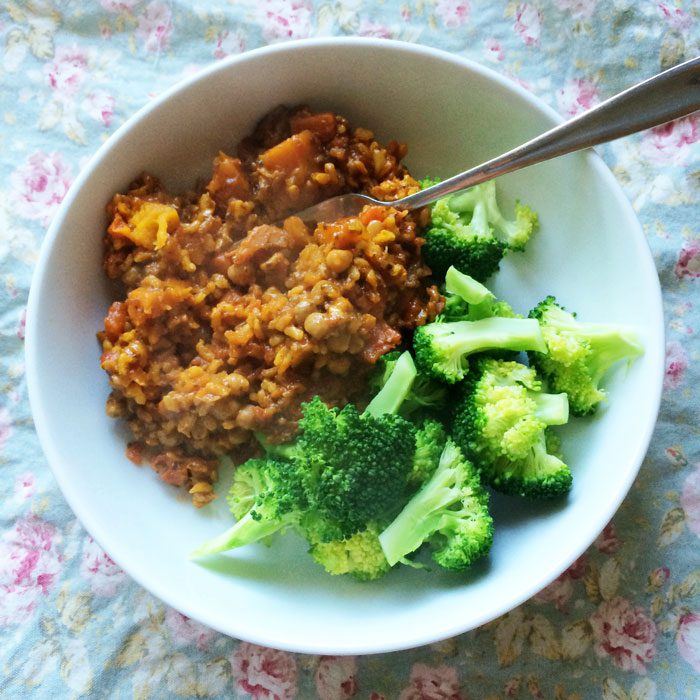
(623, 623)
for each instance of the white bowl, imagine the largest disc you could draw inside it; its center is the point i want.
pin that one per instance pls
(590, 253)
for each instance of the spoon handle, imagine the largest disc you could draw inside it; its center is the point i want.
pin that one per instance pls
(657, 100)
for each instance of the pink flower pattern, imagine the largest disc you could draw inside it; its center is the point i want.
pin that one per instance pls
(285, 19)
(432, 683)
(561, 590)
(577, 96)
(67, 72)
(229, 43)
(690, 500)
(184, 630)
(22, 324)
(373, 29)
(607, 542)
(264, 674)
(688, 638)
(624, 634)
(5, 427)
(453, 13)
(100, 106)
(671, 143)
(40, 185)
(119, 5)
(104, 576)
(29, 564)
(493, 50)
(528, 23)
(688, 263)
(676, 364)
(155, 26)
(676, 17)
(336, 677)
(24, 487)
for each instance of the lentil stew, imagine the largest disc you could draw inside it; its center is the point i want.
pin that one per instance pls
(231, 311)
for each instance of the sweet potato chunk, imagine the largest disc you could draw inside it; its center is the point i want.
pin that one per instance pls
(228, 181)
(322, 124)
(147, 226)
(297, 153)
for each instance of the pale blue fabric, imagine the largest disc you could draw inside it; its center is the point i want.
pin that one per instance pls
(73, 625)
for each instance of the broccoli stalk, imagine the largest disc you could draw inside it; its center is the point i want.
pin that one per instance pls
(469, 300)
(450, 512)
(501, 422)
(469, 289)
(267, 496)
(579, 354)
(468, 230)
(395, 389)
(425, 397)
(442, 349)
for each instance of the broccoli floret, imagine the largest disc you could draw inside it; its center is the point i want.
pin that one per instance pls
(579, 354)
(515, 233)
(468, 230)
(430, 440)
(442, 349)
(449, 512)
(359, 555)
(354, 461)
(339, 475)
(469, 300)
(267, 496)
(426, 397)
(501, 423)
(357, 461)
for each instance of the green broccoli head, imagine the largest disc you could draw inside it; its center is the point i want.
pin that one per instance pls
(469, 230)
(267, 496)
(442, 349)
(579, 354)
(501, 422)
(463, 241)
(359, 555)
(357, 461)
(449, 513)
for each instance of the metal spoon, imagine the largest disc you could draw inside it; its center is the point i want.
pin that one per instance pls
(669, 95)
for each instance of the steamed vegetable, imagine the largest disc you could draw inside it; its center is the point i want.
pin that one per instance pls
(502, 422)
(578, 354)
(470, 231)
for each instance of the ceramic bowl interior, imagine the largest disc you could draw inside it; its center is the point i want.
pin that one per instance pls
(590, 253)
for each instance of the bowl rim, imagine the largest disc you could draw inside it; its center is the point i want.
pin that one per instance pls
(101, 534)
